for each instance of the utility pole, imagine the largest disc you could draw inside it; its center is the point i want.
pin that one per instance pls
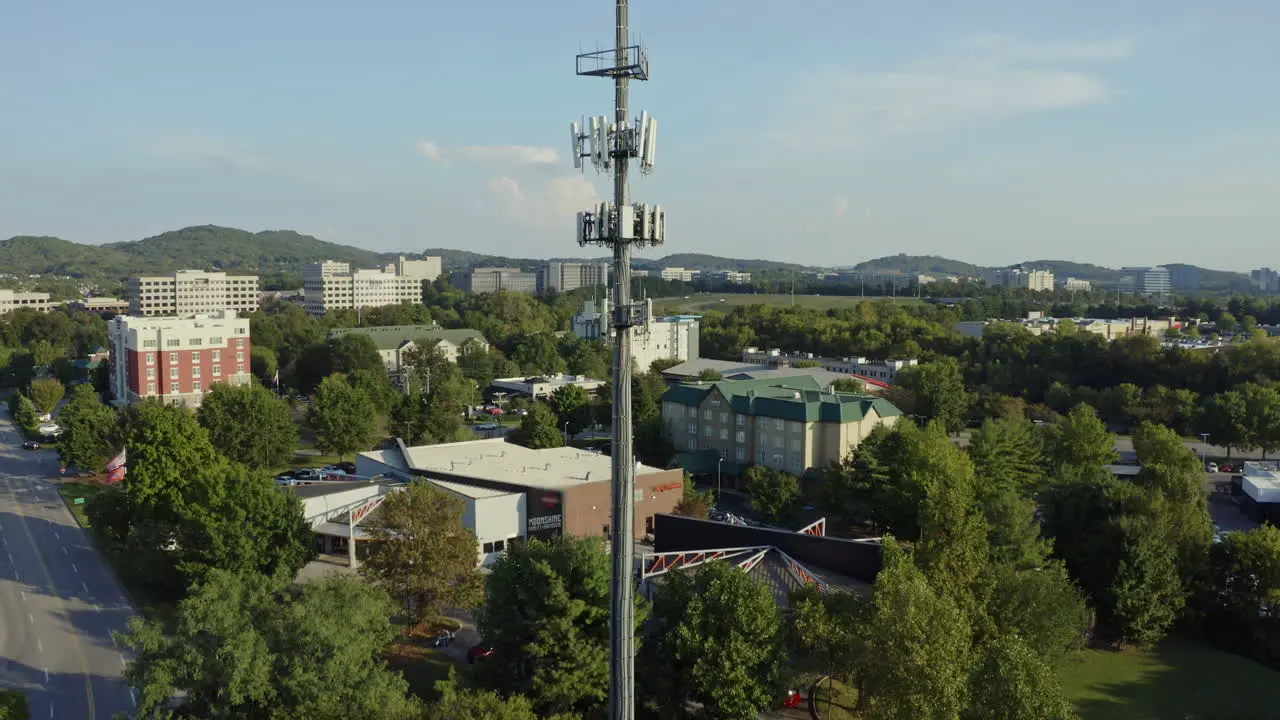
(609, 145)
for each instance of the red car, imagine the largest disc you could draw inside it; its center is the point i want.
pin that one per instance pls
(792, 700)
(477, 653)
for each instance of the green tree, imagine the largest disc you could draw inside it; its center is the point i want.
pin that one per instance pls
(459, 703)
(570, 404)
(89, 431)
(849, 385)
(13, 705)
(910, 674)
(546, 616)
(46, 393)
(342, 417)
(1013, 682)
(24, 413)
(538, 429)
(423, 551)
(773, 492)
(1262, 407)
(715, 637)
(1225, 417)
(1079, 439)
(1146, 595)
(1007, 455)
(939, 392)
(1040, 605)
(708, 375)
(263, 362)
(254, 646)
(694, 503)
(249, 424)
(1245, 586)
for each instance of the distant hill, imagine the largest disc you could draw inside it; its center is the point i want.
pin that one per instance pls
(919, 264)
(1080, 271)
(698, 261)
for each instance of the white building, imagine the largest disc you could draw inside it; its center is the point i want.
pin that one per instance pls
(542, 386)
(393, 341)
(329, 285)
(732, 277)
(12, 300)
(885, 371)
(1021, 278)
(176, 360)
(192, 292)
(1265, 280)
(1077, 285)
(679, 273)
(566, 276)
(671, 337)
(1148, 280)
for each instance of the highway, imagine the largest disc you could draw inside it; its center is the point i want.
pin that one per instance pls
(59, 600)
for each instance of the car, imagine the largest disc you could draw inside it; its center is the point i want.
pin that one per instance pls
(31, 445)
(486, 427)
(347, 467)
(307, 475)
(478, 652)
(792, 699)
(1227, 468)
(1211, 467)
(493, 411)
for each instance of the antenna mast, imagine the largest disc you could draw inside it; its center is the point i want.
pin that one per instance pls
(609, 145)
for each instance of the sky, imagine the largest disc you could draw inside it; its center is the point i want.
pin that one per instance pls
(812, 131)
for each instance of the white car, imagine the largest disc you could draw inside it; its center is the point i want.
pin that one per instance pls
(1211, 467)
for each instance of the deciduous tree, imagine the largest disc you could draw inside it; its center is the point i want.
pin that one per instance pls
(342, 417)
(46, 393)
(939, 392)
(773, 492)
(249, 424)
(715, 638)
(538, 429)
(570, 403)
(1013, 682)
(89, 431)
(1079, 439)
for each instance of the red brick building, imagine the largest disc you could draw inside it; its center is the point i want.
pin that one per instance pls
(176, 360)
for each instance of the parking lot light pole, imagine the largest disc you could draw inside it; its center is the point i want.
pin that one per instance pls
(1204, 447)
(719, 462)
(566, 434)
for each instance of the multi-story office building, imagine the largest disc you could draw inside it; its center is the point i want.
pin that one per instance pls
(1021, 278)
(102, 305)
(329, 285)
(192, 292)
(1265, 280)
(566, 276)
(679, 273)
(790, 424)
(13, 299)
(1148, 280)
(670, 337)
(176, 360)
(1185, 277)
(493, 279)
(1076, 285)
(732, 277)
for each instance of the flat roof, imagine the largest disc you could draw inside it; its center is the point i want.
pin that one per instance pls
(320, 488)
(471, 491)
(496, 460)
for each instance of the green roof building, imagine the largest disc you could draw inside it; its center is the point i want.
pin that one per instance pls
(792, 424)
(393, 341)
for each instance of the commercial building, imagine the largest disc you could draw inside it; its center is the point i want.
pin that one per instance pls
(1021, 278)
(176, 360)
(512, 493)
(192, 292)
(329, 285)
(732, 277)
(101, 305)
(566, 276)
(1109, 328)
(885, 371)
(393, 341)
(1265, 280)
(1147, 280)
(542, 386)
(1076, 285)
(493, 279)
(1260, 491)
(679, 273)
(791, 424)
(668, 337)
(13, 299)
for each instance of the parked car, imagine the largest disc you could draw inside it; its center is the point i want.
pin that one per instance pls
(486, 427)
(1211, 467)
(478, 652)
(31, 445)
(347, 467)
(307, 475)
(1224, 467)
(792, 699)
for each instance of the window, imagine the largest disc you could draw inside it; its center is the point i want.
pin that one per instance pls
(715, 402)
(740, 454)
(217, 355)
(740, 437)
(706, 431)
(215, 340)
(195, 372)
(173, 373)
(706, 414)
(693, 412)
(239, 357)
(692, 444)
(648, 525)
(779, 442)
(724, 417)
(724, 433)
(795, 462)
(148, 343)
(693, 428)
(497, 546)
(740, 420)
(173, 357)
(196, 341)
(761, 457)
(239, 342)
(777, 424)
(151, 388)
(488, 548)
(797, 444)
(173, 342)
(151, 358)
(778, 459)
(217, 370)
(151, 373)
(195, 358)
(195, 387)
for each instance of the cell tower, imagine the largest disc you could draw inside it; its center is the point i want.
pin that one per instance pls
(609, 145)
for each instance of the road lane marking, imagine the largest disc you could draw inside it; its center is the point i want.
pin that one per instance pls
(31, 619)
(56, 536)
(46, 676)
(133, 695)
(6, 552)
(64, 550)
(73, 566)
(24, 595)
(86, 587)
(51, 710)
(39, 645)
(123, 663)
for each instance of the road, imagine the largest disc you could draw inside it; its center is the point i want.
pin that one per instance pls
(59, 600)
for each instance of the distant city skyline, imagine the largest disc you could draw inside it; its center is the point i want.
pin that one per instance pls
(820, 133)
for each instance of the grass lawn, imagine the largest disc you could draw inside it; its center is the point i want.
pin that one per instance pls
(704, 302)
(421, 664)
(150, 606)
(1179, 680)
(835, 700)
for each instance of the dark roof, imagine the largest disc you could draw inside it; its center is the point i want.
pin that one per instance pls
(327, 488)
(798, 398)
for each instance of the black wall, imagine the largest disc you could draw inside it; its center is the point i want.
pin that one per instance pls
(858, 560)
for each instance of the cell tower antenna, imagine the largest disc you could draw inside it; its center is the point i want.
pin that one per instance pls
(620, 225)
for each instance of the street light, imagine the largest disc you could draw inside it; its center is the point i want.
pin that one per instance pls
(719, 461)
(1204, 450)
(566, 433)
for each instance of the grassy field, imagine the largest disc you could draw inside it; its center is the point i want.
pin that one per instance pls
(422, 664)
(1177, 681)
(715, 301)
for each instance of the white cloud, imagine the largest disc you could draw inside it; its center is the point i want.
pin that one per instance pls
(543, 203)
(986, 77)
(502, 155)
(840, 207)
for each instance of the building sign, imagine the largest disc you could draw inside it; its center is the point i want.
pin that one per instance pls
(668, 486)
(544, 517)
